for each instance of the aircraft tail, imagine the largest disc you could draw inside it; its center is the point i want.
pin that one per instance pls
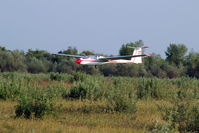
(138, 51)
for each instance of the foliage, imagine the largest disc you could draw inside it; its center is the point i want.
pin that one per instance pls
(108, 69)
(121, 96)
(125, 50)
(36, 66)
(87, 52)
(83, 91)
(173, 71)
(12, 61)
(192, 63)
(90, 70)
(176, 54)
(37, 104)
(182, 116)
(9, 89)
(59, 77)
(176, 64)
(77, 92)
(96, 94)
(149, 88)
(121, 102)
(153, 66)
(79, 77)
(70, 50)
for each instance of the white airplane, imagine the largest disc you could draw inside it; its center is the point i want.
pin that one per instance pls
(136, 58)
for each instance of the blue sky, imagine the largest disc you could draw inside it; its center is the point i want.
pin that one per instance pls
(101, 26)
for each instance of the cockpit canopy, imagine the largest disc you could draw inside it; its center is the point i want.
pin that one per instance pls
(93, 57)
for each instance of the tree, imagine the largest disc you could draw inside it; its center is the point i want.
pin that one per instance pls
(87, 52)
(176, 54)
(37, 53)
(192, 64)
(70, 50)
(90, 70)
(12, 61)
(35, 65)
(130, 70)
(108, 69)
(19, 59)
(153, 66)
(3, 49)
(173, 71)
(125, 50)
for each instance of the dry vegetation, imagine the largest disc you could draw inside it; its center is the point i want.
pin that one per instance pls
(81, 103)
(74, 121)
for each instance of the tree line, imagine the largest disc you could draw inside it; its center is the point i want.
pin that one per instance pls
(178, 62)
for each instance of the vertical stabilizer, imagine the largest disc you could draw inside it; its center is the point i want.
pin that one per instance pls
(137, 51)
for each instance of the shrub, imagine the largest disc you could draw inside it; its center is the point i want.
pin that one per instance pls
(36, 105)
(121, 97)
(149, 88)
(78, 76)
(121, 103)
(182, 116)
(59, 77)
(193, 124)
(9, 90)
(186, 83)
(77, 92)
(56, 90)
(83, 90)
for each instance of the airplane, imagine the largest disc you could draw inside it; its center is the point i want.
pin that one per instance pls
(136, 58)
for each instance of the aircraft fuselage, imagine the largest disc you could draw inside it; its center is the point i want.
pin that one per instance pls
(100, 62)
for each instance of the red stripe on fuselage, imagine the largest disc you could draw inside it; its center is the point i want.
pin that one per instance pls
(79, 61)
(94, 61)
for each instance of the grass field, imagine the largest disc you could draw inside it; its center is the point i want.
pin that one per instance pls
(74, 121)
(83, 103)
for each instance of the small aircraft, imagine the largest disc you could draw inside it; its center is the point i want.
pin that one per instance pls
(136, 58)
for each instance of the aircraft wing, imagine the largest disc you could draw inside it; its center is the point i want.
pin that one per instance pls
(69, 55)
(122, 57)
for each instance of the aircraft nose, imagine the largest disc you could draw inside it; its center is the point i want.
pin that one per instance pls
(78, 61)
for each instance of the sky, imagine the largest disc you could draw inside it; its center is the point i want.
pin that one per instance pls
(101, 26)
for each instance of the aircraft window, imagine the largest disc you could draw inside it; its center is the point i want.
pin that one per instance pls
(90, 57)
(93, 57)
(85, 57)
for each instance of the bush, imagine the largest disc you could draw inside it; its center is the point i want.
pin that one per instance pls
(121, 103)
(186, 83)
(59, 77)
(181, 116)
(78, 76)
(149, 88)
(77, 92)
(36, 105)
(83, 90)
(9, 90)
(121, 96)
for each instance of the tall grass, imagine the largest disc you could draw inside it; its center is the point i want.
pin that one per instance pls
(35, 95)
(182, 116)
(97, 87)
(121, 93)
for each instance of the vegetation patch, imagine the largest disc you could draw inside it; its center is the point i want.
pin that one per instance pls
(35, 105)
(34, 95)
(182, 116)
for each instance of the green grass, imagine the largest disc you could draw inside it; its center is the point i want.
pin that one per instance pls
(85, 103)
